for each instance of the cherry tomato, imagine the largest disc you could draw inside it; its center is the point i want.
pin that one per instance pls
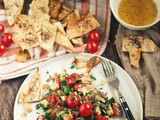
(1, 27)
(70, 81)
(7, 39)
(94, 36)
(51, 98)
(59, 101)
(2, 48)
(85, 109)
(53, 111)
(77, 86)
(72, 100)
(92, 47)
(100, 117)
(85, 98)
(74, 76)
(116, 109)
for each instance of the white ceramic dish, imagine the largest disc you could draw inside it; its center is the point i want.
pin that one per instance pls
(127, 86)
(114, 8)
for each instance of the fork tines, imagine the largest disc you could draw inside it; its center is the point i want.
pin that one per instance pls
(107, 68)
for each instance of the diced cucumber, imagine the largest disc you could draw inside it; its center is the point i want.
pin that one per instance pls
(44, 103)
(63, 76)
(54, 86)
(109, 110)
(96, 110)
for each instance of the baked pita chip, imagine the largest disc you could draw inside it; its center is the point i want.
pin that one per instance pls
(81, 27)
(77, 41)
(48, 36)
(32, 92)
(147, 45)
(60, 27)
(55, 6)
(22, 22)
(27, 39)
(62, 40)
(13, 8)
(64, 12)
(39, 6)
(134, 55)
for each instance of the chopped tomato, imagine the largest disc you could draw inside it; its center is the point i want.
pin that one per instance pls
(70, 81)
(116, 109)
(100, 117)
(53, 111)
(85, 109)
(72, 100)
(85, 98)
(59, 101)
(77, 86)
(74, 76)
(51, 99)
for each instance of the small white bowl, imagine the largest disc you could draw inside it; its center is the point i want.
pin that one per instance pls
(114, 8)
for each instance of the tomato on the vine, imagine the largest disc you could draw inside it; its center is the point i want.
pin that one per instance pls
(2, 48)
(72, 100)
(7, 39)
(92, 47)
(94, 36)
(85, 109)
(1, 28)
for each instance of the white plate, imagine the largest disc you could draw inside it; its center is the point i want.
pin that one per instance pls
(127, 86)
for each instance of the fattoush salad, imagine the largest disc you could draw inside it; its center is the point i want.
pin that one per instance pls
(75, 97)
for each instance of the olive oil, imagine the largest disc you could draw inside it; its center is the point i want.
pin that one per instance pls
(137, 12)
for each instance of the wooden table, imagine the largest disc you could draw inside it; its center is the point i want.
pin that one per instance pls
(9, 89)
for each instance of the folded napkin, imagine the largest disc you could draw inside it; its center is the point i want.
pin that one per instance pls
(147, 77)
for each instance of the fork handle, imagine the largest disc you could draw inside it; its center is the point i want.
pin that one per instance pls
(126, 109)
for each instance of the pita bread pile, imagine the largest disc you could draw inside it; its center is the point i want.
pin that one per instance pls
(44, 26)
(135, 45)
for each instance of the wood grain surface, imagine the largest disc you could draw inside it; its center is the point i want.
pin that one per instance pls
(9, 89)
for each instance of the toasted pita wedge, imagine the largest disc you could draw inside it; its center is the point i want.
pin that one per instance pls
(13, 8)
(60, 27)
(81, 27)
(22, 55)
(22, 22)
(55, 6)
(32, 92)
(74, 15)
(27, 39)
(134, 55)
(39, 6)
(64, 12)
(64, 41)
(48, 36)
(147, 45)
(77, 41)
(52, 20)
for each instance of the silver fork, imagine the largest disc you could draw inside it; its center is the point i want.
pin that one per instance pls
(114, 82)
